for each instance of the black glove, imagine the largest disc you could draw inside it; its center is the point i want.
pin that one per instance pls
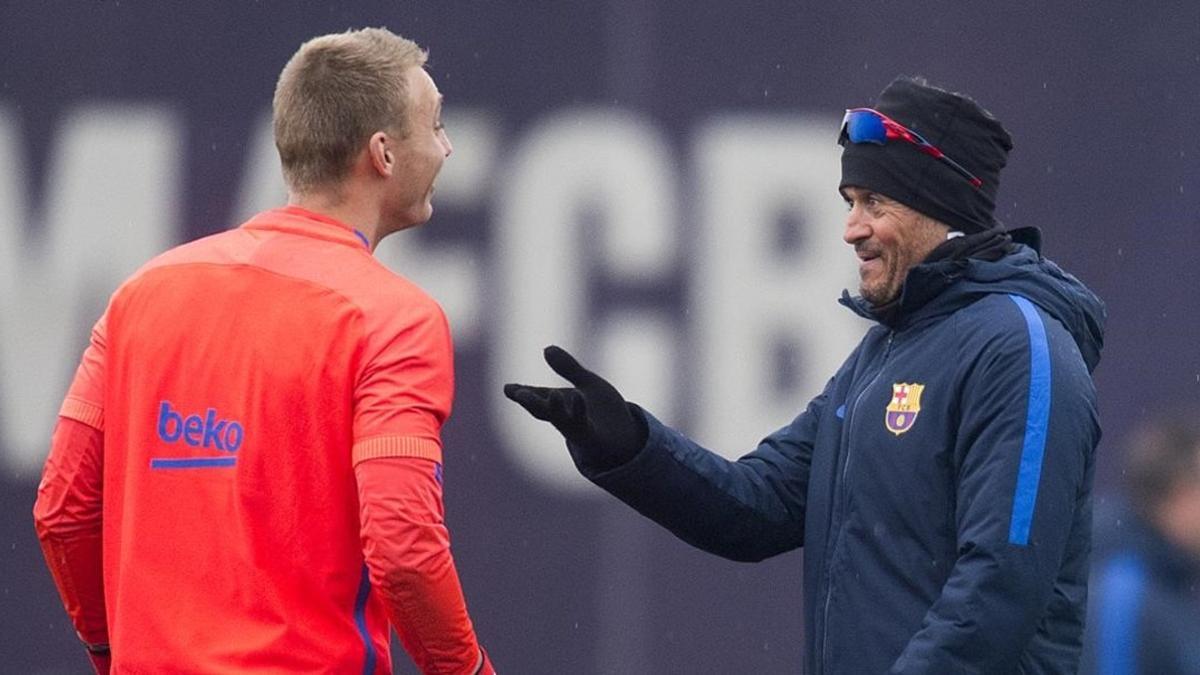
(603, 430)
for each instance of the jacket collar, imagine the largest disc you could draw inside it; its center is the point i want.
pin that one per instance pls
(945, 265)
(296, 220)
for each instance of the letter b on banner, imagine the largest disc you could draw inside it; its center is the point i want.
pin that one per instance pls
(770, 266)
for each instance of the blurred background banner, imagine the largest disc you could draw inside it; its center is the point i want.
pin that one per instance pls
(651, 184)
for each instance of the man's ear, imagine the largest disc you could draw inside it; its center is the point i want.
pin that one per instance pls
(383, 160)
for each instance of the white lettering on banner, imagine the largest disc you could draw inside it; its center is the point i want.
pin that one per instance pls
(614, 167)
(450, 273)
(262, 185)
(109, 205)
(585, 193)
(640, 350)
(752, 295)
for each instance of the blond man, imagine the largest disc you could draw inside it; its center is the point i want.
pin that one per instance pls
(247, 469)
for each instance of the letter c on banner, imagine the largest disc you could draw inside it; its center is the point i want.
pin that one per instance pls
(578, 167)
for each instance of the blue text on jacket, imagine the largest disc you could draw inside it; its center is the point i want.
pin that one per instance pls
(209, 431)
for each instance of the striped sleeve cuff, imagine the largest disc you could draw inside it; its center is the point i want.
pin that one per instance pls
(83, 411)
(397, 446)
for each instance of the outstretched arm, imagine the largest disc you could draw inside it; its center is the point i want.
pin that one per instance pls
(745, 510)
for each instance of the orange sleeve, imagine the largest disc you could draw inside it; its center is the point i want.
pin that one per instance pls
(406, 390)
(67, 516)
(407, 550)
(85, 399)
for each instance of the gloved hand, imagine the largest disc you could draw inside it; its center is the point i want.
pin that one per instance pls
(602, 429)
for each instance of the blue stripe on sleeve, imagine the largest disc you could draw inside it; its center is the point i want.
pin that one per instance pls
(1037, 419)
(360, 620)
(1121, 588)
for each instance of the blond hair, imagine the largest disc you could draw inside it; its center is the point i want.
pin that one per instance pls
(335, 92)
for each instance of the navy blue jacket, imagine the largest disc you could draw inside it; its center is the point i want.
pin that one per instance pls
(949, 539)
(1144, 613)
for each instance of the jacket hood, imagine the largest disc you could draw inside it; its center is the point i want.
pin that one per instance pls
(939, 288)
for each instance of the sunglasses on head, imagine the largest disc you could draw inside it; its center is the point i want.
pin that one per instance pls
(866, 125)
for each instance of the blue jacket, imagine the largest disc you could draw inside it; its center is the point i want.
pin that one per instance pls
(1144, 612)
(940, 485)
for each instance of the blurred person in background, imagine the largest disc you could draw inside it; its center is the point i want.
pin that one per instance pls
(246, 474)
(941, 483)
(1144, 612)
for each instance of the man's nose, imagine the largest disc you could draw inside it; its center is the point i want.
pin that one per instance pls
(857, 228)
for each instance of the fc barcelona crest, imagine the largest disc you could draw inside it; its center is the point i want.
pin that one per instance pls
(902, 411)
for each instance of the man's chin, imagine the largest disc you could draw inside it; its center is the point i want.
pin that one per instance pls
(869, 292)
(876, 296)
(418, 215)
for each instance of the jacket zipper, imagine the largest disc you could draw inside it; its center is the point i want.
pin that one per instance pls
(850, 414)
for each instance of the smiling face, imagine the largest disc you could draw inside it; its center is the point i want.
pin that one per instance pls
(889, 239)
(419, 153)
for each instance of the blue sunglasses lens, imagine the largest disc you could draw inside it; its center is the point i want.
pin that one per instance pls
(865, 127)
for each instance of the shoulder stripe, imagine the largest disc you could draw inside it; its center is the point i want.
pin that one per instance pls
(397, 446)
(1122, 587)
(1037, 419)
(83, 411)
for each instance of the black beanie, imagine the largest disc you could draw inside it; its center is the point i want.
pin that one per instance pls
(957, 126)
